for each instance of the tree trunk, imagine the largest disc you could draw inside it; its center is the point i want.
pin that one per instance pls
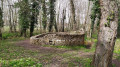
(32, 28)
(107, 34)
(15, 21)
(58, 23)
(32, 24)
(52, 15)
(10, 16)
(0, 34)
(1, 20)
(73, 14)
(44, 14)
(24, 31)
(33, 18)
(63, 21)
(40, 22)
(86, 18)
(118, 31)
(63, 24)
(55, 25)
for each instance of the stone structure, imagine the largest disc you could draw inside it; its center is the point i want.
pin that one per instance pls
(60, 38)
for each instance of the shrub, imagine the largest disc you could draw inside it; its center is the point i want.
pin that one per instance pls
(7, 35)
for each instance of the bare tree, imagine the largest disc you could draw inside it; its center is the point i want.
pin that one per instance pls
(86, 18)
(10, 16)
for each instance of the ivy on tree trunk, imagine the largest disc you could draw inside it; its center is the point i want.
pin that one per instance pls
(107, 34)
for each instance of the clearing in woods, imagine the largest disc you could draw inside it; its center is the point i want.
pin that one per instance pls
(48, 56)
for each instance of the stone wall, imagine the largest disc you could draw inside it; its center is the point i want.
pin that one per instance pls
(58, 39)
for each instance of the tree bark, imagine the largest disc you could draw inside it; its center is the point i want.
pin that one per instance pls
(55, 25)
(44, 14)
(52, 15)
(33, 17)
(1, 20)
(15, 21)
(10, 16)
(0, 34)
(107, 34)
(86, 17)
(73, 14)
(40, 21)
(63, 21)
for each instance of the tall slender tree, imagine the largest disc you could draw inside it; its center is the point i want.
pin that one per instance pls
(1, 19)
(34, 12)
(10, 16)
(95, 15)
(107, 34)
(44, 15)
(24, 16)
(73, 14)
(63, 21)
(52, 16)
(1, 23)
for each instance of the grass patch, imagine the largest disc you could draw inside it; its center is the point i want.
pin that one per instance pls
(70, 47)
(118, 58)
(10, 51)
(117, 46)
(117, 49)
(15, 56)
(23, 62)
(84, 62)
(7, 35)
(66, 47)
(82, 48)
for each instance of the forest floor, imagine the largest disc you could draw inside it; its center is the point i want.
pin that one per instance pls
(47, 56)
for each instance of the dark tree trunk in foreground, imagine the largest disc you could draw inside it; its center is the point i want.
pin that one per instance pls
(33, 17)
(52, 16)
(23, 32)
(32, 24)
(107, 34)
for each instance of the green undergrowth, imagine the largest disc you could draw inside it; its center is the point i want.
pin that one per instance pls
(80, 62)
(81, 48)
(118, 58)
(86, 62)
(7, 35)
(23, 62)
(117, 46)
(117, 49)
(12, 55)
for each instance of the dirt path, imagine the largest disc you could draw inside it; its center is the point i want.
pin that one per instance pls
(27, 45)
(54, 57)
